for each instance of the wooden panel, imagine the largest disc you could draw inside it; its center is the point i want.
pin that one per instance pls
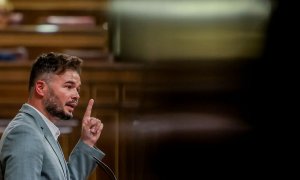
(105, 94)
(13, 93)
(131, 95)
(84, 94)
(14, 73)
(110, 74)
(8, 111)
(79, 40)
(66, 5)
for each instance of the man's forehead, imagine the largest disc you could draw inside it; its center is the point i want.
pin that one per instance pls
(69, 76)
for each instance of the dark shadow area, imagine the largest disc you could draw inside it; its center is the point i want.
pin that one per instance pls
(263, 103)
(270, 94)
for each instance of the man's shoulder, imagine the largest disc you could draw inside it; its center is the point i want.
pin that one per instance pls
(21, 129)
(21, 122)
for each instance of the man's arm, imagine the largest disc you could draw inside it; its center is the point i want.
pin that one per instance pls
(81, 161)
(21, 155)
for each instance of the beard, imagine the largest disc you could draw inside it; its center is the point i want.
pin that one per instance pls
(54, 108)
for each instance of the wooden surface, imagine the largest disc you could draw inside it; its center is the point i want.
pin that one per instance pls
(67, 5)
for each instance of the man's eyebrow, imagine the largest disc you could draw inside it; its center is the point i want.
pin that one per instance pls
(70, 82)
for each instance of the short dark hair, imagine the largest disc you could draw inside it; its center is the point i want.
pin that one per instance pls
(56, 63)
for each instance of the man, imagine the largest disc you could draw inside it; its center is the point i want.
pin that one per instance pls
(28, 148)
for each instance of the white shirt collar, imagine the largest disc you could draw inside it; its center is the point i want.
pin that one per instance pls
(54, 129)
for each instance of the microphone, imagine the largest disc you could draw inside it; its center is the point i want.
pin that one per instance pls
(106, 169)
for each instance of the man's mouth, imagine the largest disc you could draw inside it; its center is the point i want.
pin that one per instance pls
(71, 104)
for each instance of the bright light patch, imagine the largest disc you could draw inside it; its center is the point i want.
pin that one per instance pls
(191, 9)
(47, 28)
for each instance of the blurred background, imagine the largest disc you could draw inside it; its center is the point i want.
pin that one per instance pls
(195, 89)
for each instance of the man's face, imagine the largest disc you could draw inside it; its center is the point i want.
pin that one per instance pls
(62, 95)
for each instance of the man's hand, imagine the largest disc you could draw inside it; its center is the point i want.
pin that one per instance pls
(91, 126)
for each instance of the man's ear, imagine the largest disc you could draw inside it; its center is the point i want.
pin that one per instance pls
(40, 87)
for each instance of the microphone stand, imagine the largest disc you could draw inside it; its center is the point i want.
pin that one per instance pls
(106, 169)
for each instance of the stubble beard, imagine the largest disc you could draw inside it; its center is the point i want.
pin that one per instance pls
(53, 107)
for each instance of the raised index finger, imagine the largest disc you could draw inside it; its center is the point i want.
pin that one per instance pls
(88, 110)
